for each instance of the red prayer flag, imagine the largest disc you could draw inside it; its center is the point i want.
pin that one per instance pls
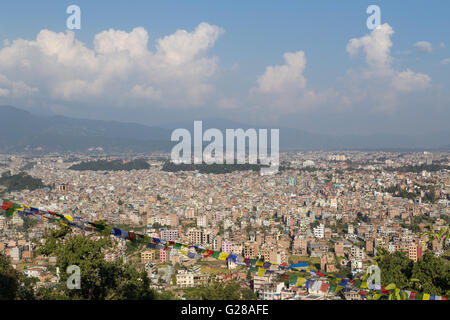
(324, 287)
(363, 293)
(412, 296)
(7, 205)
(208, 253)
(319, 274)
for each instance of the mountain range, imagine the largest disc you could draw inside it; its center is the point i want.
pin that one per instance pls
(22, 131)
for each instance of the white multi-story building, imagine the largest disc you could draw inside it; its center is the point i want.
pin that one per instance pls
(16, 253)
(357, 253)
(319, 231)
(202, 221)
(169, 235)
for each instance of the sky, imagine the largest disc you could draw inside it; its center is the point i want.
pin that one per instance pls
(312, 65)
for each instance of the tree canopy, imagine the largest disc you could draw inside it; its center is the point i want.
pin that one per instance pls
(100, 280)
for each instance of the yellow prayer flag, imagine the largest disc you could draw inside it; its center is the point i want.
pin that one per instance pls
(223, 256)
(339, 288)
(70, 218)
(300, 281)
(261, 272)
(364, 285)
(426, 296)
(259, 263)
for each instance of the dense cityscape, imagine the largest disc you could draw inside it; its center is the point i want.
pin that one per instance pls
(336, 213)
(217, 159)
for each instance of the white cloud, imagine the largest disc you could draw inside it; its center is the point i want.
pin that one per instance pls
(57, 67)
(423, 47)
(15, 89)
(146, 92)
(284, 78)
(378, 86)
(380, 83)
(445, 61)
(407, 81)
(282, 88)
(376, 46)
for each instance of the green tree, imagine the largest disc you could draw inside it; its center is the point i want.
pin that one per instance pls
(395, 268)
(433, 275)
(100, 280)
(9, 282)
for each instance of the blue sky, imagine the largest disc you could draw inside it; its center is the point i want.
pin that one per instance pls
(253, 36)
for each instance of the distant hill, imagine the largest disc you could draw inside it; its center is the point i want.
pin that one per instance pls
(22, 131)
(297, 139)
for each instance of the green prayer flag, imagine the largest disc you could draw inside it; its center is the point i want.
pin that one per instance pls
(216, 254)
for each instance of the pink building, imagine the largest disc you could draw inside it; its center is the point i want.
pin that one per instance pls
(227, 246)
(163, 255)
